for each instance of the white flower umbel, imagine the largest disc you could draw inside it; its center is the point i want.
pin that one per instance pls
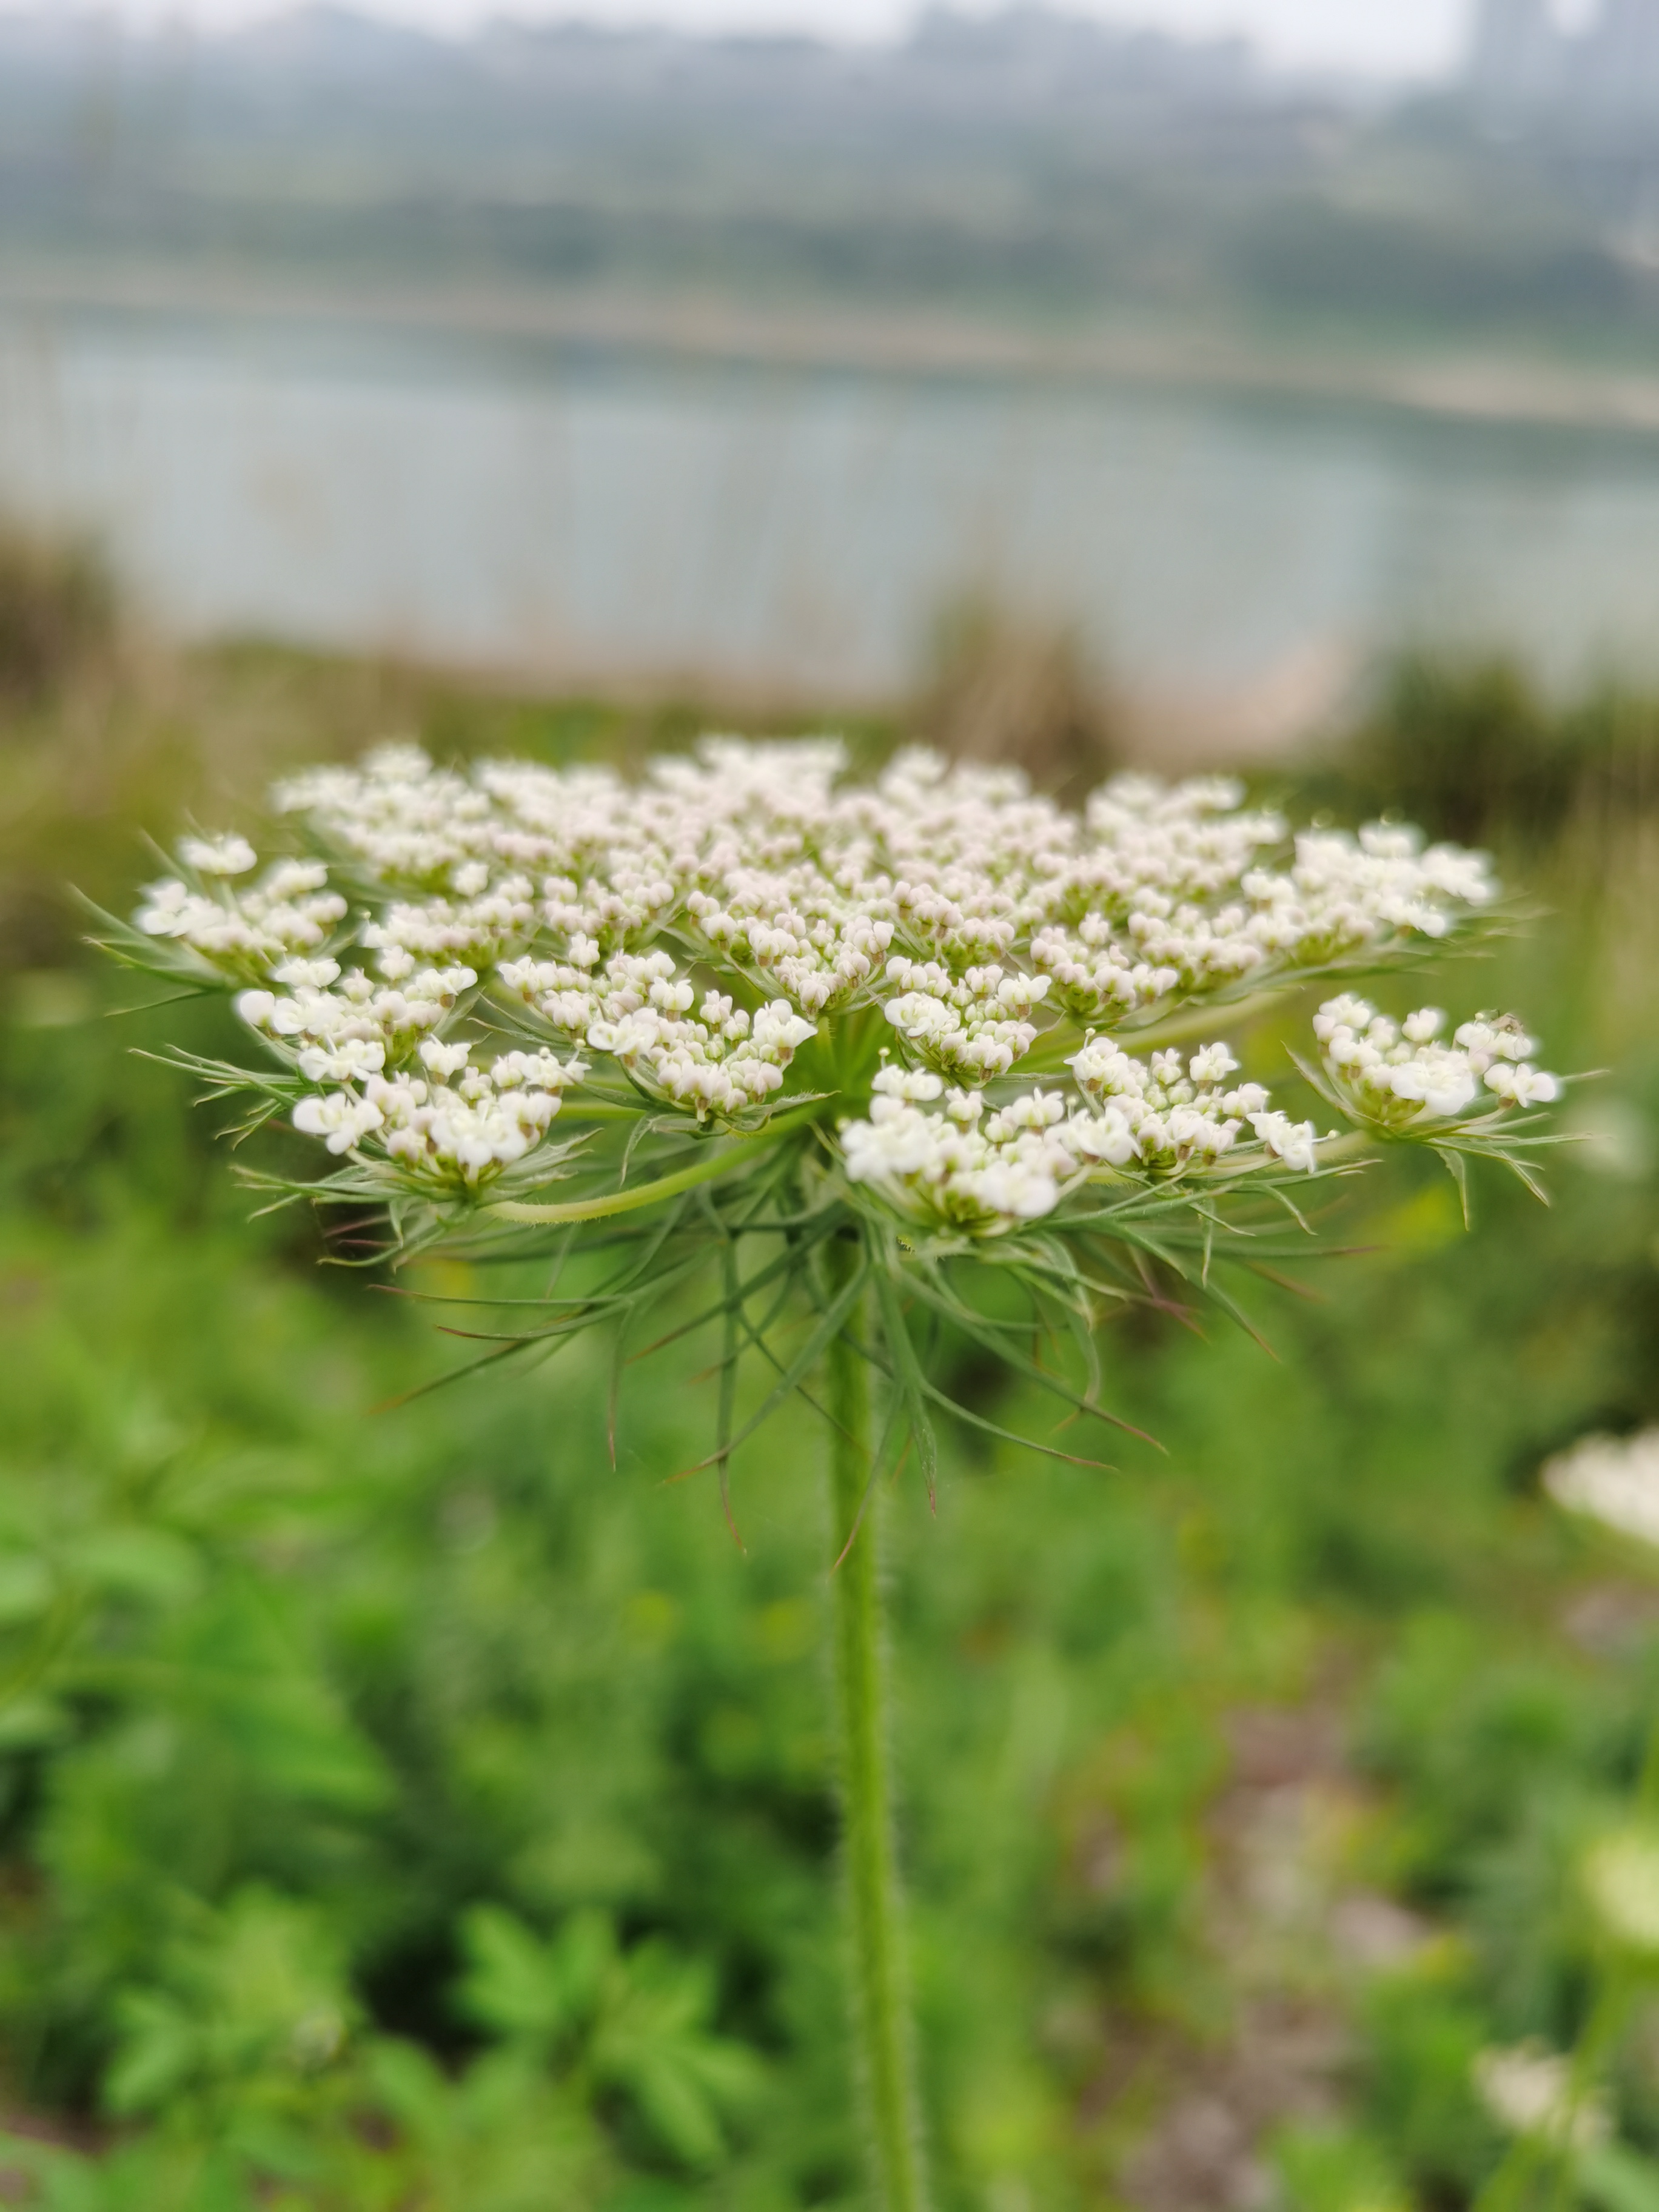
(1612, 1479)
(688, 938)
(1399, 1073)
(793, 1054)
(244, 934)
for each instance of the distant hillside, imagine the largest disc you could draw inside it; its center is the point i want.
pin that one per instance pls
(1031, 165)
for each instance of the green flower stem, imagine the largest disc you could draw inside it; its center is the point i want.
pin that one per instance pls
(706, 1169)
(1647, 1780)
(881, 2020)
(1550, 2154)
(1615, 1987)
(1612, 1990)
(1595, 2047)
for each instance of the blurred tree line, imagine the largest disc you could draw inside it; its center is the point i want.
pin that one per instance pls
(400, 1806)
(1030, 165)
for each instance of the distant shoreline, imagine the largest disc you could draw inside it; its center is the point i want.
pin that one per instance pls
(1484, 388)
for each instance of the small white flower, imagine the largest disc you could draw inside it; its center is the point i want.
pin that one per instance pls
(535, 1070)
(318, 973)
(293, 878)
(917, 1085)
(1039, 1109)
(1293, 1142)
(1522, 1085)
(345, 1061)
(165, 908)
(1213, 1064)
(1104, 1071)
(1443, 1083)
(338, 1117)
(444, 1058)
(218, 856)
(1345, 1013)
(1016, 1189)
(1528, 2091)
(1390, 841)
(1615, 1480)
(1105, 1139)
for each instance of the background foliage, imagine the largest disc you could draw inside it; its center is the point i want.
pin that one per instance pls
(400, 1807)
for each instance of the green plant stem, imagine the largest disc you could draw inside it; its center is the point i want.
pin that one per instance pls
(1647, 1780)
(1530, 2154)
(880, 2006)
(715, 1163)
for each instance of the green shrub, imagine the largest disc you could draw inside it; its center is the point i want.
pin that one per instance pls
(57, 611)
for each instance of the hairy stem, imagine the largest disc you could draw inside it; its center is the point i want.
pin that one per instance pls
(880, 2006)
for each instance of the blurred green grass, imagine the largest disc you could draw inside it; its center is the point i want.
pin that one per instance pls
(400, 1806)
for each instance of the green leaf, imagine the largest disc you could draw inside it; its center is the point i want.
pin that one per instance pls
(515, 1984)
(655, 2044)
(974, 1325)
(908, 1376)
(408, 2081)
(828, 1327)
(1615, 2179)
(159, 2051)
(1010, 1436)
(26, 1588)
(28, 1722)
(137, 1562)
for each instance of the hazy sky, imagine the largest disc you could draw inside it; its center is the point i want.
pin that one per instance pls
(1393, 36)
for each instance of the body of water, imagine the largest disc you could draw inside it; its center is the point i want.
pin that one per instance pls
(591, 518)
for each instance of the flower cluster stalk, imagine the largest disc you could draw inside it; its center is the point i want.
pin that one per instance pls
(884, 2043)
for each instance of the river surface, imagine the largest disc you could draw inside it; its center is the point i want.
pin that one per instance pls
(592, 516)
